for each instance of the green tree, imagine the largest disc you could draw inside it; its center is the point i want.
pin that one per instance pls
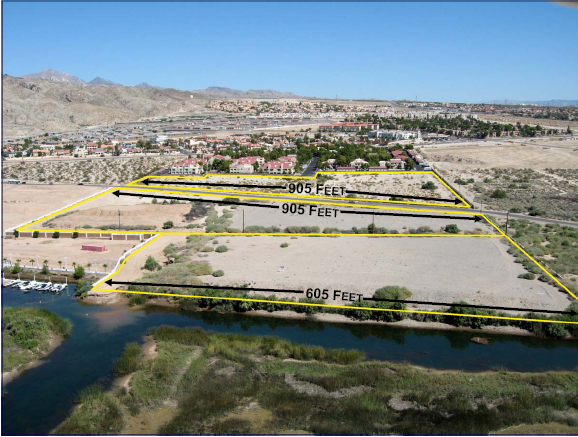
(78, 272)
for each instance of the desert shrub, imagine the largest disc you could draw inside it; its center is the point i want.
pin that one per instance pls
(200, 268)
(75, 234)
(284, 245)
(528, 275)
(78, 272)
(392, 292)
(218, 273)
(452, 229)
(56, 234)
(429, 185)
(168, 224)
(207, 249)
(221, 249)
(151, 264)
(35, 234)
(498, 194)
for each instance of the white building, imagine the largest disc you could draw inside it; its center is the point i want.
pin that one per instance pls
(188, 167)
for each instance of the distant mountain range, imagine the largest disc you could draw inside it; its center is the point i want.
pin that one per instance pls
(554, 102)
(55, 76)
(213, 92)
(100, 81)
(217, 92)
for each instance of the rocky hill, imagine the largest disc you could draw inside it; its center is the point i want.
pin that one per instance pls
(56, 103)
(100, 81)
(55, 76)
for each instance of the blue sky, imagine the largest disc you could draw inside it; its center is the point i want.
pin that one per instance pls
(435, 51)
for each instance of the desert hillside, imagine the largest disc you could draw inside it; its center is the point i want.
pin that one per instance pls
(35, 106)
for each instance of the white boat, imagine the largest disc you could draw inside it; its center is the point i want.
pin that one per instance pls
(57, 288)
(46, 286)
(39, 285)
(12, 283)
(31, 285)
(21, 284)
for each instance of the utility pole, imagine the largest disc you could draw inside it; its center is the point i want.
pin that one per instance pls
(119, 219)
(507, 220)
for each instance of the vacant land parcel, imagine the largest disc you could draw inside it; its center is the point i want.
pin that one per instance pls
(420, 187)
(434, 269)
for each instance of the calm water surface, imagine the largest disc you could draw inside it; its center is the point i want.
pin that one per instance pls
(43, 396)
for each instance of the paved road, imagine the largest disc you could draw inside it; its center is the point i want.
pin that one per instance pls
(311, 168)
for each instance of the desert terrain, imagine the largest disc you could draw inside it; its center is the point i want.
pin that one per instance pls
(138, 214)
(109, 171)
(531, 153)
(475, 270)
(539, 177)
(383, 183)
(255, 216)
(56, 249)
(22, 203)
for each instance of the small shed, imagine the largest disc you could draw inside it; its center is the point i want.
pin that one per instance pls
(93, 247)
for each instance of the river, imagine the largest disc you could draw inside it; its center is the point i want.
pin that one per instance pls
(43, 396)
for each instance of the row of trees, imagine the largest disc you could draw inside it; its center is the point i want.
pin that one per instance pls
(79, 271)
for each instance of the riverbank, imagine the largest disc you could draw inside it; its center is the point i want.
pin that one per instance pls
(405, 323)
(9, 376)
(168, 303)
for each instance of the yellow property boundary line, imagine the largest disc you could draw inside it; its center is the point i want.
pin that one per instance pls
(464, 204)
(159, 234)
(97, 284)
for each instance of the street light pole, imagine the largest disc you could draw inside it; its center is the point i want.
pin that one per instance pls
(119, 219)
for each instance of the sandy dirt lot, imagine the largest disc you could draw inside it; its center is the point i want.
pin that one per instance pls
(477, 270)
(255, 216)
(132, 268)
(384, 183)
(21, 203)
(104, 211)
(560, 154)
(55, 250)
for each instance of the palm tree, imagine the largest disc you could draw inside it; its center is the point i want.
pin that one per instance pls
(32, 262)
(88, 266)
(45, 262)
(105, 267)
(18, 261)
(60, 264)
(73, 265)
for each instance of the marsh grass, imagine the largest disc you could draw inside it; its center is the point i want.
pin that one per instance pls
(212, 375)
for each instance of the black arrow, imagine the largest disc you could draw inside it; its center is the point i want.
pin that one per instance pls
(148, 181)
(111, 282)
(571, 312)
(456, 201)
(117, 193)
(474, 218)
